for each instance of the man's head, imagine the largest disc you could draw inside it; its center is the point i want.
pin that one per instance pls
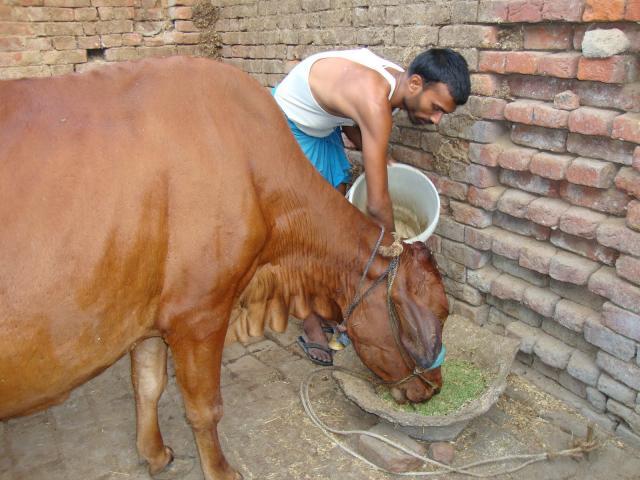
(437, 82)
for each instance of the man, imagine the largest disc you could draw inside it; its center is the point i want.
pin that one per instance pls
(357, 92)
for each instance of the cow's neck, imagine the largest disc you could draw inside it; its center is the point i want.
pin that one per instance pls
(321, 243)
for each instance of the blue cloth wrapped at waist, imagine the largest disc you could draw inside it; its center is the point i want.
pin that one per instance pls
(324, 153)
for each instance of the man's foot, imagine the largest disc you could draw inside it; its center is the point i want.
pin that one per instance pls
(313, 349)
(314, 341)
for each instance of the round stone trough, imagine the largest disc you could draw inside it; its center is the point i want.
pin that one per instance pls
(465, 340)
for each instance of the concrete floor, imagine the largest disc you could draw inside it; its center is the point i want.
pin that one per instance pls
(266, 435)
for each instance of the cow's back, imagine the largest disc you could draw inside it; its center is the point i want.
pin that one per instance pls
(111, 183)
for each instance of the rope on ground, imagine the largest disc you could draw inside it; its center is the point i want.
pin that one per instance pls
(579, 449)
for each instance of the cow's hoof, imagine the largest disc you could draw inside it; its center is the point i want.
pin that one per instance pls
(179, 466)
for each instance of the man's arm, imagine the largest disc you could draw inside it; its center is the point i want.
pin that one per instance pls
(376, 130)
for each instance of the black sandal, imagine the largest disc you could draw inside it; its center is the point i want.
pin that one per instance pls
(308, 345)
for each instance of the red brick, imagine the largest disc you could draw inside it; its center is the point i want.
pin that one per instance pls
(570, 268)
(482, 131)
(523, 62)
(615, 151)
(539, 137)
(549, 165)
(541, 300)
(479, 239)
(627, 127)
(632, 11)
(485, 154)
(609, 95)
(609, 201)
(185, 26)
(481, 176)
(180, 13)
(633, 215)
(587, 248)
(581, 221)
(452, 189)
(614, 233)
(536, 256)
(516, 158)
(605, 282)
(628, 179)
(635, 162)
(507, 287)
(621, 321)
(529, 182)
(563, 65)
(486, 198)
(566, 100)
(132, 39)
(593, 173)
(515, 203)
(545, 115)
(464, 254)
(476, 217)
(508, 244)
(547, 211)
(417, 158)
(525, 11)
(536, 87)
(89, 42)
(468, 36)
(487, 107)
(520, 111)
(573, 315)
(600, 10)
(520, 226)
(616, 69)
(592, 121)
(548, 37)
(564, 10)
(484, 84)
(492, 61)
(629, 268)
(493, 11)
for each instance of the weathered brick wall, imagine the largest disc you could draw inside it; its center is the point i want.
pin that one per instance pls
(51, 37)
(539, 173)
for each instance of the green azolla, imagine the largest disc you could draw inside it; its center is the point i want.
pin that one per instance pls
(463, 382)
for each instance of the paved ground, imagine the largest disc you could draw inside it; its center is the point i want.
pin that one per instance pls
(266, 434)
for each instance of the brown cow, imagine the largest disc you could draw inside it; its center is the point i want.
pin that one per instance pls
(137, 203)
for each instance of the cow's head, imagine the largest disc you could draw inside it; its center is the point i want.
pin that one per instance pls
(421, 305)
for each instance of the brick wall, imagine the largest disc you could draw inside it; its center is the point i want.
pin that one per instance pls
(50, 37)
(539, 173)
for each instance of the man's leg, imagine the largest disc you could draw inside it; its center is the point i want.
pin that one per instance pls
(313, 333)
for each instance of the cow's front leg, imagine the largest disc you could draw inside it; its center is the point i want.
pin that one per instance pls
(197, 362)
(149, 378)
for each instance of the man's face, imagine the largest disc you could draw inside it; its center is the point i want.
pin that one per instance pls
(426, 105)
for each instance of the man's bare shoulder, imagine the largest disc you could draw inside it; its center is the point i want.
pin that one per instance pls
(344, 86)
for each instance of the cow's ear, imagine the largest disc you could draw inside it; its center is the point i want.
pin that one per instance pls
(420, 329)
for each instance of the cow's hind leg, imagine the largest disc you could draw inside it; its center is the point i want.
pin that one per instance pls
(149, 377)
(198, 363)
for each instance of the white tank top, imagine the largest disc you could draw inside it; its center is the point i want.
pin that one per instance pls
(297, 102)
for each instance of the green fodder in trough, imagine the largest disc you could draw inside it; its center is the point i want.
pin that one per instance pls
(462, 382)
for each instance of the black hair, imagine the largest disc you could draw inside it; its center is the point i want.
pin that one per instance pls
(445, 66)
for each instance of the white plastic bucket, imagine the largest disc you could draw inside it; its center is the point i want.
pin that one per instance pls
(413, 195)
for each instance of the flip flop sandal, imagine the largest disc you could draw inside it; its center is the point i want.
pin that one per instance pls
(308, 345)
